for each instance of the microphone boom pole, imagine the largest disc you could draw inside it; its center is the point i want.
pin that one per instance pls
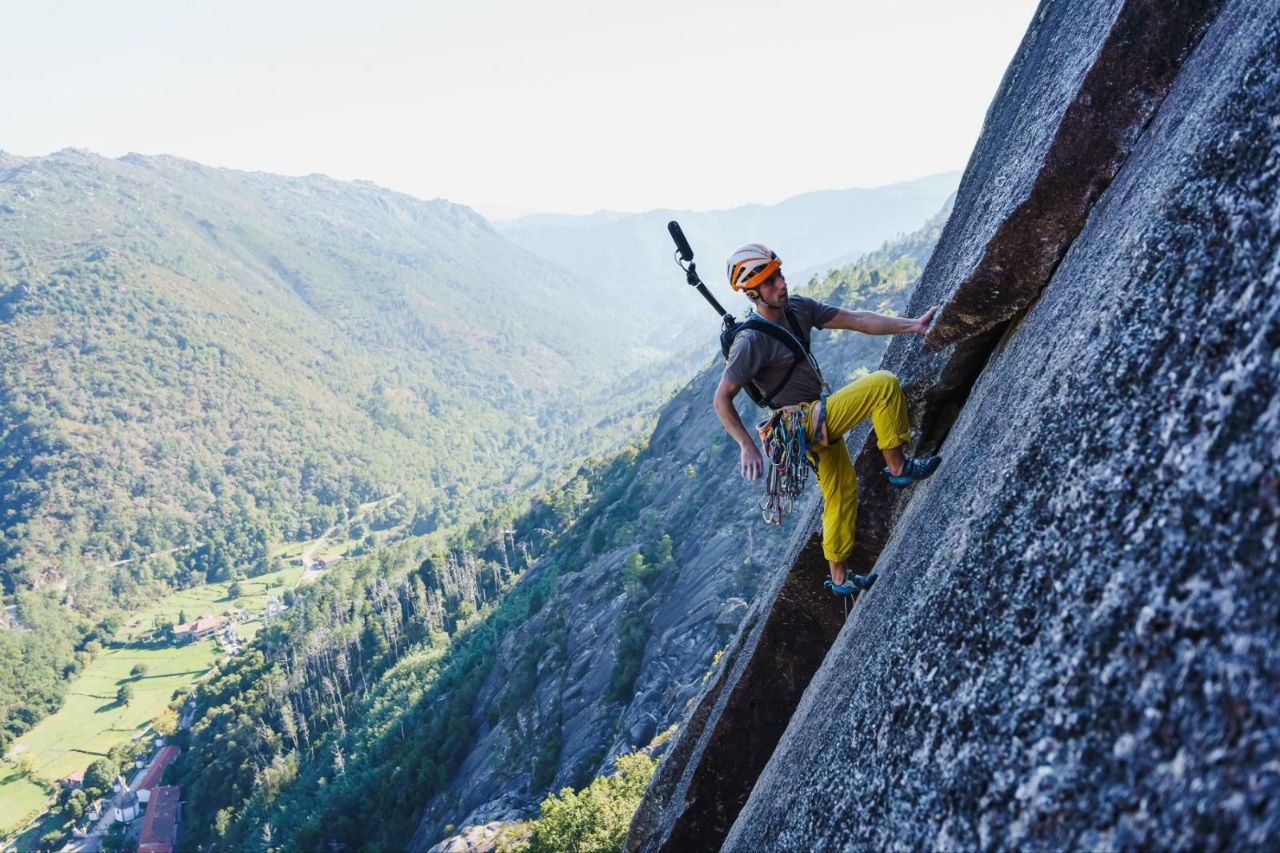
(684, 255)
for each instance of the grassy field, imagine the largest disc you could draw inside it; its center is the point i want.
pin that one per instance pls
(212, 599)
(19, 799)
(90, 722)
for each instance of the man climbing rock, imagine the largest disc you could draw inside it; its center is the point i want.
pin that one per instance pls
(764, 358)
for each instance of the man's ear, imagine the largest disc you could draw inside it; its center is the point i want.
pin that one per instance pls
(753, 295)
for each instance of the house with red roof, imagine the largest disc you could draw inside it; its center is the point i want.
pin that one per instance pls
(72, 780)
(151, 779)
(205, 626)
(160, 824)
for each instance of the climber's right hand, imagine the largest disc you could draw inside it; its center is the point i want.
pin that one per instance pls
(751, 462)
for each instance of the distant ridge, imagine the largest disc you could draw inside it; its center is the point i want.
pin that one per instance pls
(621, 253)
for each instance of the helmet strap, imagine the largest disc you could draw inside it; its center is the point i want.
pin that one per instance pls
(754, 296)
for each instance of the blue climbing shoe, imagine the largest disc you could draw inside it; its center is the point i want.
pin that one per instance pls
(914, 471)
(852, 583)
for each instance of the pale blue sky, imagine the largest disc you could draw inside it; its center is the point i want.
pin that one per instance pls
(554, 106)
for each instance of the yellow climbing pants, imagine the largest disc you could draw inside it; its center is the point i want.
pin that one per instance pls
(879, 397)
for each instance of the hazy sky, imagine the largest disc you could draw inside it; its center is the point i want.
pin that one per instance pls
(556, 106)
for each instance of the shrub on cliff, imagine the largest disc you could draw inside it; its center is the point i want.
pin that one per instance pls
(595, 818)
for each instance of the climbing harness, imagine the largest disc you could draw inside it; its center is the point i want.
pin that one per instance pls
(789, 455)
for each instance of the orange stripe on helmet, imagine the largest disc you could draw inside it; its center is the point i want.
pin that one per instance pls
(751, 266)
(756, 277)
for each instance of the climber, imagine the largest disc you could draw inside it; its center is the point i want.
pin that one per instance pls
(763, 360)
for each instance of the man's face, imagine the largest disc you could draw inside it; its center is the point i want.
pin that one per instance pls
(774, 291)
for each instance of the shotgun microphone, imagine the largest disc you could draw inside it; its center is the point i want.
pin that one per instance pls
(682, 245)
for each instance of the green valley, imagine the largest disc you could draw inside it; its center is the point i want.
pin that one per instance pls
(189, 351)
(91, 721)
(211, 363)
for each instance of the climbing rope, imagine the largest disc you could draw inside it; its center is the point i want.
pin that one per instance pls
(789, 455)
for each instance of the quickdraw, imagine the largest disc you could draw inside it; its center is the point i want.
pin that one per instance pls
(789, 455)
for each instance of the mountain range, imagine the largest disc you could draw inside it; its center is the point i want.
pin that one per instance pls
(189, 349)
(628, 257)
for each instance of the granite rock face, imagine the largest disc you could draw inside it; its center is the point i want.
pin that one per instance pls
(1086, 80)
(735, 725)
(1075, 641)
(1074, 104)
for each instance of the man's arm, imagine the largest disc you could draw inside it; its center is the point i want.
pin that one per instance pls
(870, 323)
(750, 460)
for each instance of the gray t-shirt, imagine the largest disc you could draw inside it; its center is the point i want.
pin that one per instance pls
(757, 357)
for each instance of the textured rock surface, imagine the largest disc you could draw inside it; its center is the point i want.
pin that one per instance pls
(732, 730)
(1085, 82)
(476, 838)
(1086, 79)
(1074, 640)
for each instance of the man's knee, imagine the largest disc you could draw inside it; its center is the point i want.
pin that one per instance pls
(885, 379)
(885, 387)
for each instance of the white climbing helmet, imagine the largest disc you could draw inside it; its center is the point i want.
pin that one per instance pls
(751, 266)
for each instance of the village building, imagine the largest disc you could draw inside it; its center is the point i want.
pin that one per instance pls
(155, 773)
(205, 626)
(228, 640)
(72, 780)
(160, 825)
(127, 807)
(273, 609)
(327, 561)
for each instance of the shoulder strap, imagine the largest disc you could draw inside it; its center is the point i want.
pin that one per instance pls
(792, 341)
(794, 325)
(797, 344)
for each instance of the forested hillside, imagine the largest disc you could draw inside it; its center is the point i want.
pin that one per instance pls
(217, 362)
(447, 686)
(187, 351)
